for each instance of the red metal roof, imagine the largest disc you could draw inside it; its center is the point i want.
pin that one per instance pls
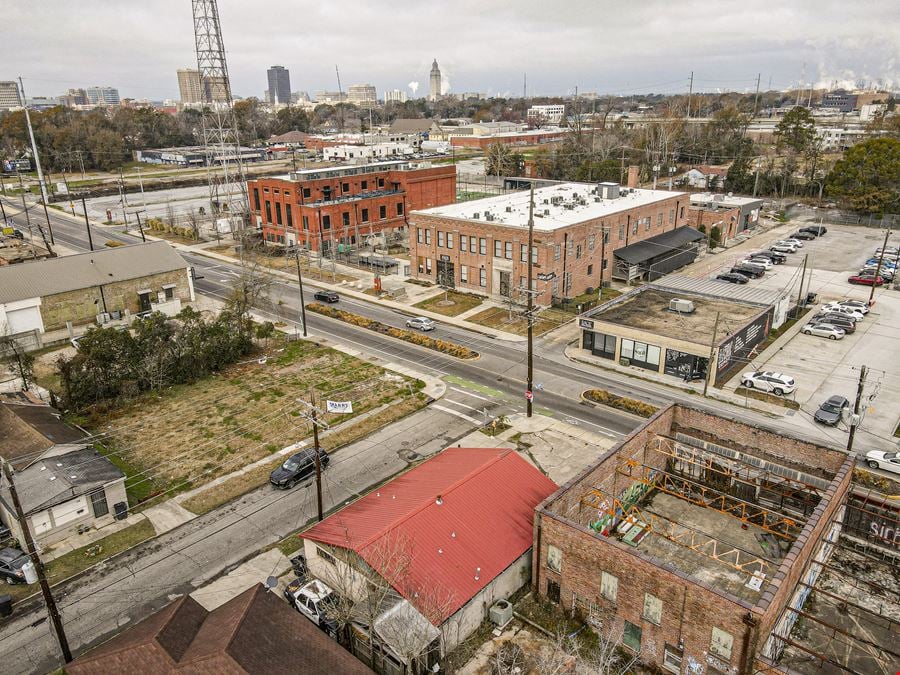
(439, 556)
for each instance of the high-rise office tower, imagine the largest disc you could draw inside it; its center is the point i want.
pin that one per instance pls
(9, 95)
(189, 85)
(103, 95)
(434, 92)
(279, 85)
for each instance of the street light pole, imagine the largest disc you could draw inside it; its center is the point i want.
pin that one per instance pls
(854, 421)
(302, 303)
(529, 395)
(878, 268)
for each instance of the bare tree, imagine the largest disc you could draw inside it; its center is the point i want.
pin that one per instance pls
(564, 654)
(19, 362)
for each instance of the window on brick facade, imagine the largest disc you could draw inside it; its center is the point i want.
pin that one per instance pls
(364, 185)
(523, 252)
(721, 643)
(621, 232)
(590, 270)
(365, 216)
(557, 250)
(268, 211)
(605, 236)
(482, 245)
(605, 264)
(508, 250)
(266, 190)
(571, 248)
(534, 254)
(463, 243)
(578, 252)
(170, 292)
(256, 198)
(345, 187)
(345, 218)
(326, 222)
(672, 657)
(381, 182)
(482, 277)
(464, 274)
(428, 265)
(449, 240)
(659, 218)
(382, 212)
(671, 216)
(286, 193)
(498, 248)
(440, 238)
(288, 215)
(609, 586)
(306, 193)
(591, 238)
(631, 637)
(634, 227)
(419, 235)
(305, 222)
(652, 609)
(647, 222)
(681, 212)
(428, 237)
(399, 208)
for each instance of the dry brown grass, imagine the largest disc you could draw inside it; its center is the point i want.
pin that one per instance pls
(289, 265)
(191, 434)
(459, 303)
(207, 500)
(498, 317)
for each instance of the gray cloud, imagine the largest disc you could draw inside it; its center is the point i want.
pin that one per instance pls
(482, 45)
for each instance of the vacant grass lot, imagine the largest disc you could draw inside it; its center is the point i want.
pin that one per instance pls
(289, 265)
(498, 317)
(191, 434)
(450, 303)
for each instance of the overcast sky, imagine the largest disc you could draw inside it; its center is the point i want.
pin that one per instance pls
(481, 45)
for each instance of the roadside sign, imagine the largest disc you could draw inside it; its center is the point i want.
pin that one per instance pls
(529, 396)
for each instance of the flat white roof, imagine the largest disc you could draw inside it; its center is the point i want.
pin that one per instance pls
(711, 199)
(555, 206)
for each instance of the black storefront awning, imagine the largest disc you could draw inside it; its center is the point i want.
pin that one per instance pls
(661, 245)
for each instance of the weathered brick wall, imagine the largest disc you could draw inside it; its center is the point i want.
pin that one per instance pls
(772, 445)
(585, 270)
(83, 305)
(689, 609)
(723, 218)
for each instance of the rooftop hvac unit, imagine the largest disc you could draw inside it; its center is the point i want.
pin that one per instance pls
(609, 190)
(509, 209)
(681, 306)
(476, 215)
(546, 212)
(546, 201)
(597, 199)
(488, 215)
(501, 613)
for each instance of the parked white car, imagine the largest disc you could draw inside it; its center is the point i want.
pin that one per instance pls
(795, 242)
(842, 309)
(783, 248)
(422, 323)
(777, 383)
(879, 459)
(858, 305)
(765, 263)
(826, 330)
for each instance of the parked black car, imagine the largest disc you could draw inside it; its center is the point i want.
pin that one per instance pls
(840, 320)
(326, 296)
(297, 467)
(817, 230)
(776, 257)
(733, 278)
(748, 271)
(803, 235)
(12, 560)
(832, 410)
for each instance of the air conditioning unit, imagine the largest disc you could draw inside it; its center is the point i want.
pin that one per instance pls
(509, 209)
(501, 613)
(488, 215)
(681, 306)
(476, 215)
(546, 212)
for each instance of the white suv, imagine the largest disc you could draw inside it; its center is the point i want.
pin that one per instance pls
(777, 383)
(838, 308)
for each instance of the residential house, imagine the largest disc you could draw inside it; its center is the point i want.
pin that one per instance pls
(706, 177)
(94, 287)
(254, 632)
(450, 537)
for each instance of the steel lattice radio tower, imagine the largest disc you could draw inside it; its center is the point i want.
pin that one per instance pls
(227, 189)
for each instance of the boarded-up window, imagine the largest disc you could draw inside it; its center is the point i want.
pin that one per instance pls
(652, 608)
(609, 586)
(554, 559)
(721, 643)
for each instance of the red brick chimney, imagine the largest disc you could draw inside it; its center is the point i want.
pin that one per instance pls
(633, 176)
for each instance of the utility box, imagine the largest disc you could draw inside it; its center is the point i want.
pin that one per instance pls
(501, 613)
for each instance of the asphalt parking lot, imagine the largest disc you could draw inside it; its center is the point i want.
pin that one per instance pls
(823, 367)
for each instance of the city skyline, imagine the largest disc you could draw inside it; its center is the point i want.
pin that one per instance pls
(651, 48)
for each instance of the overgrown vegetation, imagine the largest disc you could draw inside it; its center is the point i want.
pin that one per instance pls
(624, 403)
(413, 337)
(112, 365)
(767, 397)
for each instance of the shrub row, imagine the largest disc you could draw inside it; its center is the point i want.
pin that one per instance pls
(413, 337)
(630, 405)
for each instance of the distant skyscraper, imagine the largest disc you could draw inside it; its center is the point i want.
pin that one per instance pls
(363, 95)
(103, 95)
(74, 97)
(279, 84)
(189, 85)
(434, 92)
(395, 96)
(9, 95)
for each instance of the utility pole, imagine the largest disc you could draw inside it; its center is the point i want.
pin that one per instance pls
(28, 220)
(854, 421)
(52, 609)
(529, 391)
(690, 92)
(340, 99)
(315, 425)
(800, 302)
(137, 214)
(878, 268)
(87, 224)
(712, 349)
(756, 96)
(37, 164)
(756, 178)
(302, 303)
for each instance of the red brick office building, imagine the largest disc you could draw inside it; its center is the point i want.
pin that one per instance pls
(580, 230)
(318, 208)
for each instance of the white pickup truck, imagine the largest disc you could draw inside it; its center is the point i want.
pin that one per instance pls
(313, 600)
